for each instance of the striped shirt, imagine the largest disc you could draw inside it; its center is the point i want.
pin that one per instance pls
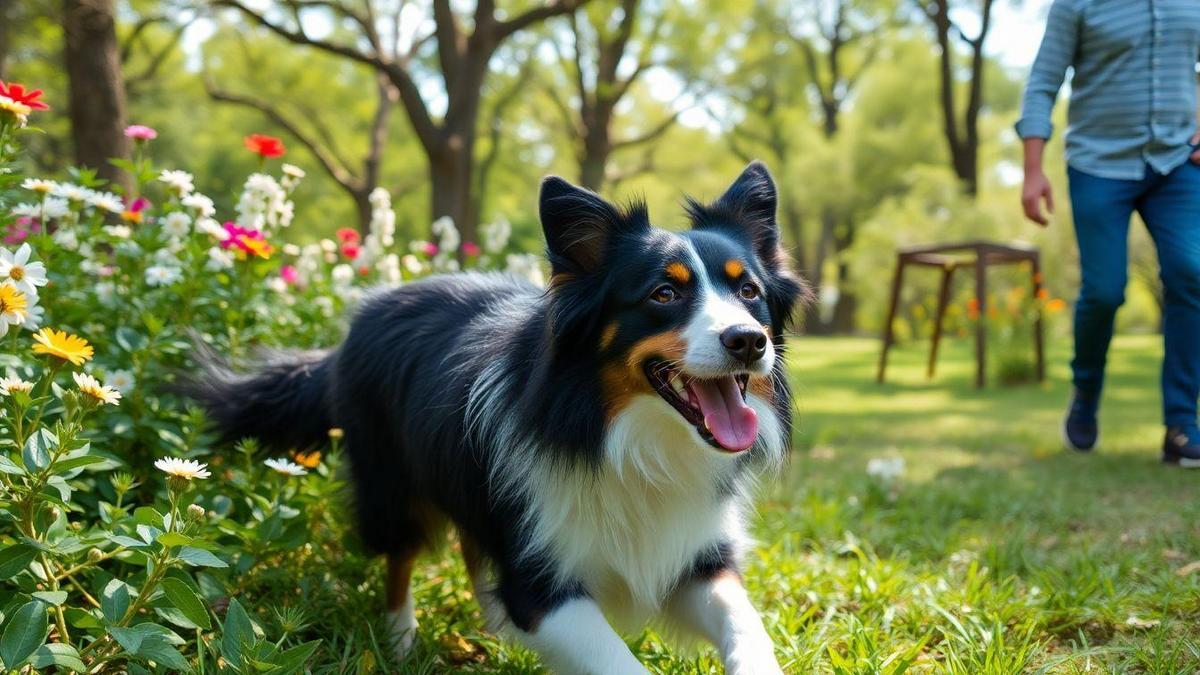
(1133, 94)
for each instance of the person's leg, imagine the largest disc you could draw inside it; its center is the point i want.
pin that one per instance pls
(1102, 208)
(1172, 214)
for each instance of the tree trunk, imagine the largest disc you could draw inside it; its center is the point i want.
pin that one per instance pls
(97, 95)
(593, 163)
(450, 185)
(8, 10)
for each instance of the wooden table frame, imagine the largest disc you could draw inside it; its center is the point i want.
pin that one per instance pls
(950, 258)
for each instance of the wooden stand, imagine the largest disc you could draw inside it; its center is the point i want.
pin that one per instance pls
(950, 258)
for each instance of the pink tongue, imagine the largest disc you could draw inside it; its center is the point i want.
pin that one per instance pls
(731, 422)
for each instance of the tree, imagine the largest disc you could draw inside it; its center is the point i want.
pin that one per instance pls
(462, 57)
(97, 87)
(963, 143)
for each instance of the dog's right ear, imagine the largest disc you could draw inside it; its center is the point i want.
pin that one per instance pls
(578, 224)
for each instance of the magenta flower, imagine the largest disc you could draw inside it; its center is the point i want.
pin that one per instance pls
(139, 205)
(289, 274)
(470, 248)
(140, 132)
(430, 249)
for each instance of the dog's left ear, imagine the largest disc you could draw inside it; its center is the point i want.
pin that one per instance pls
(577, 223)
(749, 206)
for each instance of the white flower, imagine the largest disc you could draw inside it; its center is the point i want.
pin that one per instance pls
(389, 268)
(526, 266)
(342, 274)
(448, 238)
(106, 292)
(106, 201)
(13, 383)
(166, 256)
(186, 469)
(277, 284)
(202, 205)
(34, 315)
(92, 387)
(292, 170)
(886, 469)
(66, 238)
(118, 231)
(162, 275)
(177, 225)
(75, 193)
(212, 228)
(26, 210)
(39, 185)
(218, 259)
(54, 208)
(180, 182)
(122, 380)
(24, 275)
(285, 467)
(495, 235)
(291, 249)
(412, 264)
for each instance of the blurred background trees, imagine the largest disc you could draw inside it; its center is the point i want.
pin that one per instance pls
(887, 122)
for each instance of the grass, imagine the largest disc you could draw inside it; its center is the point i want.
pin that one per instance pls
(994, 552)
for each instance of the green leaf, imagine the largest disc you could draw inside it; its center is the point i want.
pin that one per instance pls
(200, 558)
(53, 598)
(160, 651)
(129, 339)
(36, 452)
(144, 515)
(114, 599)
(293, 660)
(55, 654)
(187, 601)
(15, 558)
(174, 539)
(238, 632)
(25, 632)
(130, 639)
(77, 462)
(10, 467)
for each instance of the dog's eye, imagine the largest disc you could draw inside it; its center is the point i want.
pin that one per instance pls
(748, 291)
(664, 294)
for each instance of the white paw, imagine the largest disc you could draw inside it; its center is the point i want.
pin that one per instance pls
(402, 626)
(753, 661)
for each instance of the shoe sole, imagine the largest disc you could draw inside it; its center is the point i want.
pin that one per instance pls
(1181, 462)
(1066, 439)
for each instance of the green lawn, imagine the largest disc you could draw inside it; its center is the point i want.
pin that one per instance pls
(995, 552)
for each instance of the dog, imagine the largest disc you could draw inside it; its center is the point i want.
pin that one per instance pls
(594, 443)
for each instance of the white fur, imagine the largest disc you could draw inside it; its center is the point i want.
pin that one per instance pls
(402, 625)
(720, 610)
(705, 355)
(575, 639)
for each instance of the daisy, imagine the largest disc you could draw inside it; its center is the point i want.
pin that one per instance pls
(200, 203)
(218, 259)
(59, 344)
(122, 380)
(54, 208)
(92, 387)
(26, 210)
(25, 275)
(10, 384)
(162, 275)
(106, 201)
(292, 170)
(177, 224)
(186, 469)
(67, 238)
(39, 185)
(75, 193)
(180, 182)
(17, 110)
(14, 307)
(118, 231)
(285, 467)
(34, 316)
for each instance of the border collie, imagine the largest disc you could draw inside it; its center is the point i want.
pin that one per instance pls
(594, 443)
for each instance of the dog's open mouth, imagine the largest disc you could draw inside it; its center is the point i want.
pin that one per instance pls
(716, 407)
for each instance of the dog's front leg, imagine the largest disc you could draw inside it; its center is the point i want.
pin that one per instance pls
(719, 609)
(574, 638)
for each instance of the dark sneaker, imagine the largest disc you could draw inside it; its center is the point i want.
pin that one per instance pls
(1182, 447)
(1080, 429)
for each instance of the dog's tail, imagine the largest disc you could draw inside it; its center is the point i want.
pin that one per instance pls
(283, 400)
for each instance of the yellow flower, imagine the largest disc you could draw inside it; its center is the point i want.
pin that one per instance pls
(66, 347)
(308, 460)
(92, 387)
(14, 306)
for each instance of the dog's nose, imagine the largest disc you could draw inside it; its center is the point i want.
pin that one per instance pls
(745, 343)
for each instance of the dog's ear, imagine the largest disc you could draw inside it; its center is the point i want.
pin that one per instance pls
(749, 206)
(578, 224)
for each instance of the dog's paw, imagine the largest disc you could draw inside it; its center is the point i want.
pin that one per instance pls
(402, 627)
(753, 661)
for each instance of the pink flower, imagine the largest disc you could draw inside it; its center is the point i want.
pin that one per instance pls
(430, 249)
(289, 274)
(139, 205)
(348, 235)
(351, 250)
(470, 248)
(139, 132)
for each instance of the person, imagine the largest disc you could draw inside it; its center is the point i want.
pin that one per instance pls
(1131, 146)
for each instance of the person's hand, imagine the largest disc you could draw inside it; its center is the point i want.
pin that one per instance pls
(1196, 150)
(1036, 190)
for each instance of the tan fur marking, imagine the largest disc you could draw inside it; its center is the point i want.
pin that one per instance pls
(607, 337)
(679, 273)
(762, 388)
(399, 571)
(734, 269)
(622, 380)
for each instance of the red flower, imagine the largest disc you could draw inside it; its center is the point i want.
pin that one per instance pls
(347, 235)
(470, 248)
(264, 146)
(350, 250)
(246, 242)
(18, 93)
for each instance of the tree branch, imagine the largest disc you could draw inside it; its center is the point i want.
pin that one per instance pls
(532, 16)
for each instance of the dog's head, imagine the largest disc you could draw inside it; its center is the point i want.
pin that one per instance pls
(695, 318)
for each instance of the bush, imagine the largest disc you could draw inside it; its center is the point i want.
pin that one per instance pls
(125, 538)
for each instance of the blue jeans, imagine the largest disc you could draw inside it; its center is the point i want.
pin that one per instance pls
(1170, 206)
